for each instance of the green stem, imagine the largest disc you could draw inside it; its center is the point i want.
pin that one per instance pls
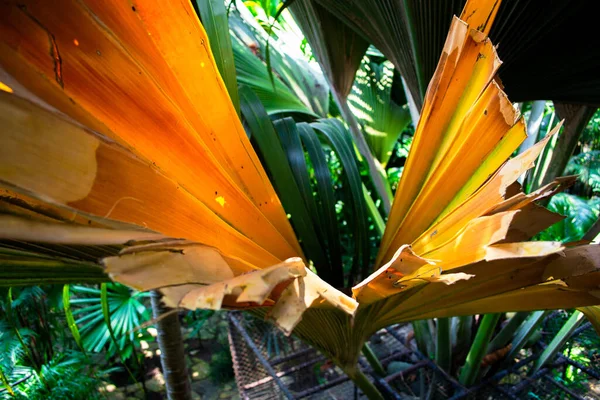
(373, 360)
(470, 370)
(507, 333)
(559, 340)
(374, 212)
(364, 384)
(423, 337)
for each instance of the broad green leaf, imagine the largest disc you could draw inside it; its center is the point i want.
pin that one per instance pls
(290, 140)
(580, 215)
(109, 325)
(276, 97)
(326, 198)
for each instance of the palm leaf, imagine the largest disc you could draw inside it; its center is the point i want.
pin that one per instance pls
(304, 82)
(371, 102)
(453, 241)
(214, 19)
(340, 60)
(338, 49)
(275, 96)
(411, 35)
(340, 140)
(580, 215)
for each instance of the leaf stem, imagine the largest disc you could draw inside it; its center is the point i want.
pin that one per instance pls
(364, 384)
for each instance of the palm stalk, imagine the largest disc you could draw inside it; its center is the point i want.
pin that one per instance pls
(172, 358)
(470, 370)
(525, 331)
(373, 360)
(559, 340)
(507, 332)
(363, 382)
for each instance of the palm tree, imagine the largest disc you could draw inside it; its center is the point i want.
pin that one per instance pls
(117, 129)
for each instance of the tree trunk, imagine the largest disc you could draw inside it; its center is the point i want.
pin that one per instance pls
(172, 358)
(576, 118)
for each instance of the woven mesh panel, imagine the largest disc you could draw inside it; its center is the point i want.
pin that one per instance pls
(306, 374)
(303, 371)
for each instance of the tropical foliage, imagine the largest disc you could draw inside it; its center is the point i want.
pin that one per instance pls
(38, 356)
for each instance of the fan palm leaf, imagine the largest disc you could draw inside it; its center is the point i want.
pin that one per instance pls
(411, 34)
(117, 112)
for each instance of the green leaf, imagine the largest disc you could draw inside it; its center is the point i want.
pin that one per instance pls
(580, 215)
(269, 31)
(374, 212)
(381, 118)
(251, 72)
(270, 149)
(290, 140)
(587, 166)
(13, 323)
(108, 322)
(528, 328)
(23, 268)
(6, 384)
(341, 142)
(299, 86)
(325, 195)
(214, 19)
